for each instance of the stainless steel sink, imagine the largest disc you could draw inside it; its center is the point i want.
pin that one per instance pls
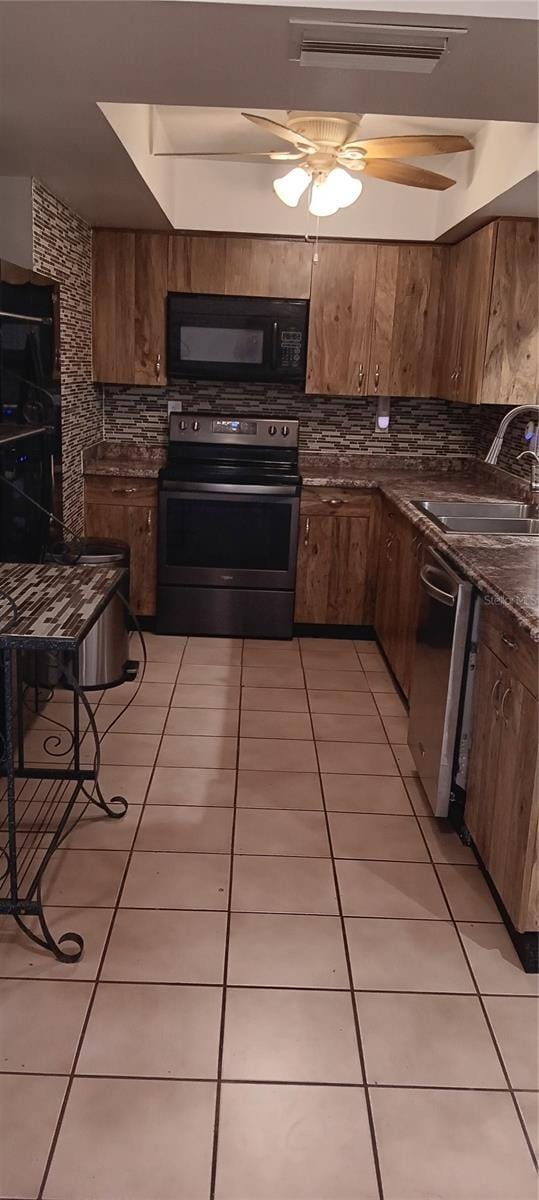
(483, 516)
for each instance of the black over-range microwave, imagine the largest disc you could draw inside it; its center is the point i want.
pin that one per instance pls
(236, 337)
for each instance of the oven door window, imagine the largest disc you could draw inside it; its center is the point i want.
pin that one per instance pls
(229, 541)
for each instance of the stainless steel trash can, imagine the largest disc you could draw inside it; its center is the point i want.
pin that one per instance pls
(105, 650)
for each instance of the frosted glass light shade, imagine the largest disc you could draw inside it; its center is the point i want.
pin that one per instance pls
(323, 203)
(290, 188)
(338, 190)
(344, 187)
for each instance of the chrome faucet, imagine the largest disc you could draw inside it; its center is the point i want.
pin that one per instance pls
(493, 454)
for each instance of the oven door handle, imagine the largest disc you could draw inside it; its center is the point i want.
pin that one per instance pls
(238, 489)
(426, 576)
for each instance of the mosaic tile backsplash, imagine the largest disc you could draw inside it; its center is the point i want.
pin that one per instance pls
(62, 248)
(417, 427)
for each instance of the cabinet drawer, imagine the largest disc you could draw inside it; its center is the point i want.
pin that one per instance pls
(120, 489)
(518, 651)
(349, 502)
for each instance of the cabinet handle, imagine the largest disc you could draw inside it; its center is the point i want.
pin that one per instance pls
(158, 367)
(334, 500)
(307, 531)
(376, 376)
(389, 546)
(493, 695)
(123, 491)
(149, 521)
(508, 692)
(360, 377)
(509, 642)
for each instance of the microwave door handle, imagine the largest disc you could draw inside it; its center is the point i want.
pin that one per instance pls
(274, 344)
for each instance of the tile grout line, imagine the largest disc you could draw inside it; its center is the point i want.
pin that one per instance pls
(217, 1116)
(479, 995)
(355, 1013)
(96, 981)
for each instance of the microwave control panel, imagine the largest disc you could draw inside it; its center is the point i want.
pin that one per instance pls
(291, 341)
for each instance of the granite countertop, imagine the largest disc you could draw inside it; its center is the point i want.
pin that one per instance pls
(124, 458)
(504, 568)
(56, 605)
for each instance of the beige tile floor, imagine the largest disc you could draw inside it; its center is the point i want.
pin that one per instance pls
(295, 986)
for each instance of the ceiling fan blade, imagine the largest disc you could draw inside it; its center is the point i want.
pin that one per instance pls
(399, 172)
(282, 131)
(411, 145)
(276, 155)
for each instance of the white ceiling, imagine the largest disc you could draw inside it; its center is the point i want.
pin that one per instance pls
(59, 61)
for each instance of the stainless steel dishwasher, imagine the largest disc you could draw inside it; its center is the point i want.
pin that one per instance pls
(440, 668)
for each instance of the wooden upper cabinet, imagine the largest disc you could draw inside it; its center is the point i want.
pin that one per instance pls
(340, 321)
(151, 266)
(464, 316)
(405, 320)
(113, 302)
(489, 317)
(129, 306)
(511, 360)
(238, 266)
(474, 300)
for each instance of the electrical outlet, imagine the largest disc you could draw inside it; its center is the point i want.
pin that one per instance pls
(173, 406)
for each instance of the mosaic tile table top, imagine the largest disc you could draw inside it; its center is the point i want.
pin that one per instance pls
(55, 605)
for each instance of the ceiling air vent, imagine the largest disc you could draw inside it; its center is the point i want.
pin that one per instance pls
(367, 47)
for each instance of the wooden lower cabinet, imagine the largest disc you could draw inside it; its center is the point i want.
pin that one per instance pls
(337, 554)
(502, 802)
(126, 508)
(397, 592)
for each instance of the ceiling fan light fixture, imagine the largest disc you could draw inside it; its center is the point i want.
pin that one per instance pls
(290, 187)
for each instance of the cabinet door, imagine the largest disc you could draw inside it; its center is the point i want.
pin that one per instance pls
(313, 569)
(268, 267)
(196, 264)
(340, 321)
(405, 323)
(240, 266)
(129, 307)
(348, 573)
(450, 323)
(513, 840)
(113, 303)
(151, 254)
(136, 524)
(474, 291)
(511, 369)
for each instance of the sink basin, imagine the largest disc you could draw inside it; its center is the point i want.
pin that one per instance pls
(482, 516)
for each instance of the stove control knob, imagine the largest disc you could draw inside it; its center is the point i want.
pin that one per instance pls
(183, 426)
(272, 430)
(195, 426)
(285, 431)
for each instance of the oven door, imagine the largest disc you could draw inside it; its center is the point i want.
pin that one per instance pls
(217, 538)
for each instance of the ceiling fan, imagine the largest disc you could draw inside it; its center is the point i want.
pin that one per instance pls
(329, 153)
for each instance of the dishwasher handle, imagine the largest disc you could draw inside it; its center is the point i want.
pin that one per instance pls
(429, 575)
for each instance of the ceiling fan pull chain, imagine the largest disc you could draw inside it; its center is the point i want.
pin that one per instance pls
(316, 258)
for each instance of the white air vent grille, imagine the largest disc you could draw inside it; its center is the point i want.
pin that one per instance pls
(369, 47)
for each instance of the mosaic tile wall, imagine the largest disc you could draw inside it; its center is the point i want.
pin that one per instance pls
(417, 426)
(62, 247)
(422, 427)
